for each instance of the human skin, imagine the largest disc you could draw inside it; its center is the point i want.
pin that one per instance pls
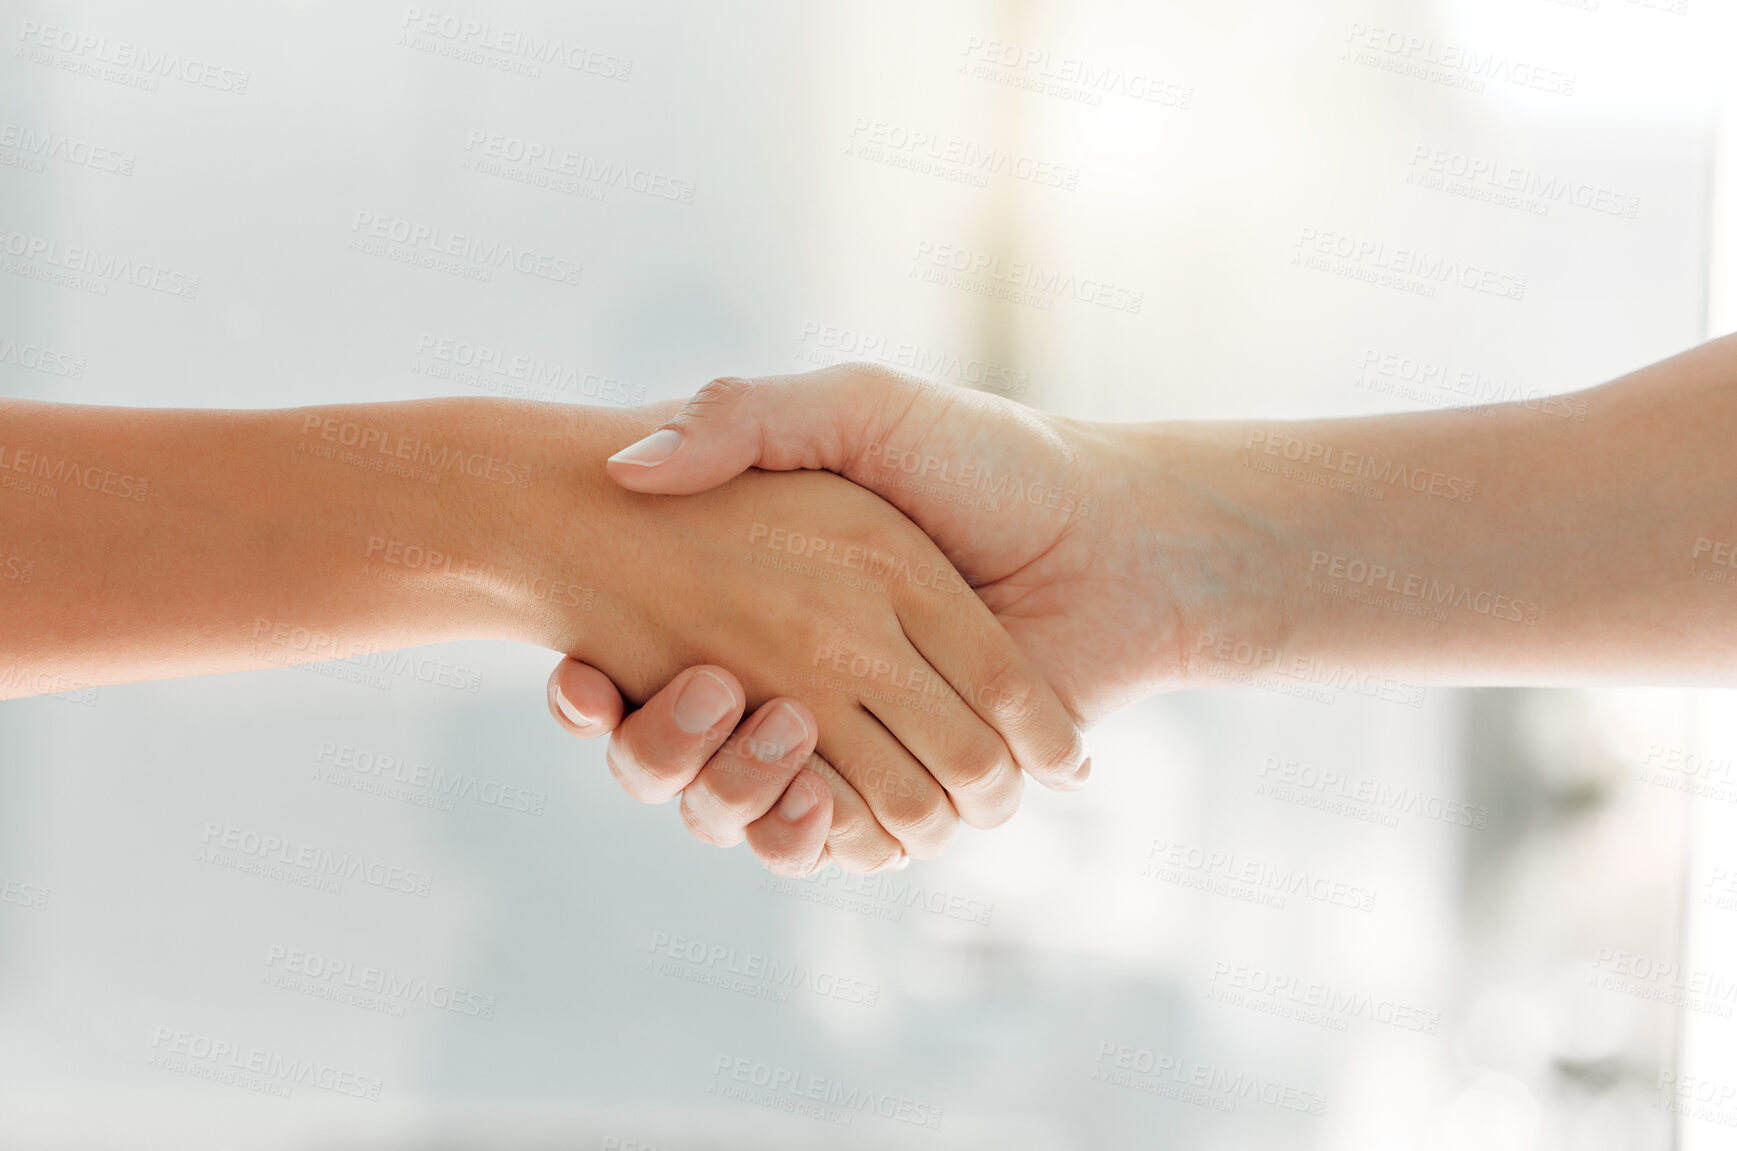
(1587, 539)
(170, 543)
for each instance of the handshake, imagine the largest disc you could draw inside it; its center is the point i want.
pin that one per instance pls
(901, 680)
(844, 667)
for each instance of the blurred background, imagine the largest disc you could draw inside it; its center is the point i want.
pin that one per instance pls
(1539, 952)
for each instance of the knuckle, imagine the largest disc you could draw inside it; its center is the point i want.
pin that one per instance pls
(1009, 699)
(789, 865)
(703, 829)
(858, 844)
(1005, 692)
(654, 763)
(782, 855)
(915, 815)
(982, 767)
(993, 814)
(720, 394)
(732, 805)
(874, 851)
(636, 782)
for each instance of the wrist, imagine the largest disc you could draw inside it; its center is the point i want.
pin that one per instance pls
(1184, 511)
(548, 554)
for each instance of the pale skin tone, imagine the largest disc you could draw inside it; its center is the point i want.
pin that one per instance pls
(1586, 539)
(149, 544)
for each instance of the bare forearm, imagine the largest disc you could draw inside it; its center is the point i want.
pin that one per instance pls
(165, 543)
(1498, 545)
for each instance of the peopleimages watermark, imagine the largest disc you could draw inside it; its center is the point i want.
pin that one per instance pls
(303, 864)
(88, 269)
(1069, 78)
(31, 895)
(951, 158)
(922, 688)
(1366, 577)
(1507, 185)
(25, 147)
(364, 769)
(286, 644)
(1369, 800)
(907, 684)
(829, 344)
(883, 896)
(16, 569)
(1250, 880)
(36, 357)
(506, 373)
(559, 169)
(1191, 1081)
(1450, 63)
(921, 468)
(1245, 662)
(1357, 467)
(395, 453)
(751, 973)
(1721, 890)
(1697, 1097)
(17, 679)
(1720, 555)
(1419, 378)
(503, 48)
(454, 253)
(416, 566)
(1411, 270)
(816, 1096)
(877, 566)
(201, 1056)
(37, 472)
(1017, 281)
(373, 988)
(122, 61)
(1675, 769)
(1311, 1001)
(1703, 991)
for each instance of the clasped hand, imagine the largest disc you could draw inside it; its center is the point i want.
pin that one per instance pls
(1016, 499)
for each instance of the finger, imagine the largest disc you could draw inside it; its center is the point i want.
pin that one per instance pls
(791, 838)
(583, 700)
(659, 749)
(901, 795)
(820, 420)
(749, 773)
(856, 841)
(963, 640)
(963, 754)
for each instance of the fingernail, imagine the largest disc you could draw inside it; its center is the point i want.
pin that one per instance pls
(904, 862)
(703, 702)
(573, 714)
(1083, 772)
(797, 802)
(778, 733)
(651, 451)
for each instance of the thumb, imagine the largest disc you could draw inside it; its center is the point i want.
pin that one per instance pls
(819, 420)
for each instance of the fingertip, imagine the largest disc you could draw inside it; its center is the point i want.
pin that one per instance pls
(1072, 781)
(790, 840)
(805, 794)
(705, 699)
(583, 700)
(653, 451)
(660, 748)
